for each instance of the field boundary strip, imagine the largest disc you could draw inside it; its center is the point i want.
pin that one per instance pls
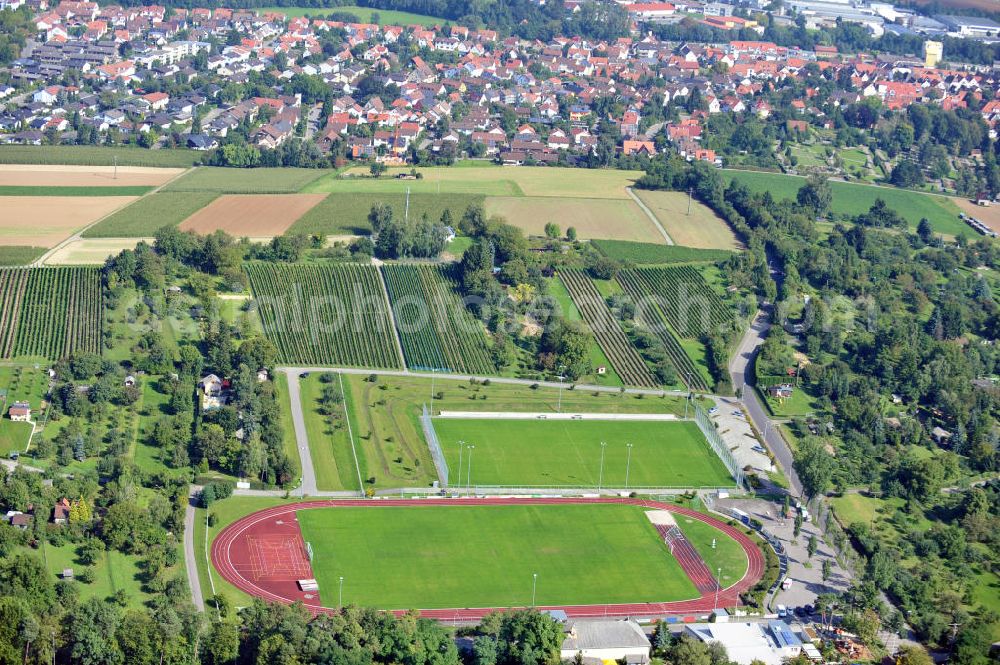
(229, 555)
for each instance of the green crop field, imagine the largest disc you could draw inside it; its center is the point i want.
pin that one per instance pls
(429, 557)
(19, 255)
(347, 213)
(31, 190)
(854, 199)
(437, 332)
(97, 156)
(488, 181)
(557, 453)
(325, 314)
(245, 181)
(147, 215)
(49, 312)
(361, 14)
(649, 253)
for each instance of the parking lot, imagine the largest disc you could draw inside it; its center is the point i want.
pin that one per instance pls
(738, 435)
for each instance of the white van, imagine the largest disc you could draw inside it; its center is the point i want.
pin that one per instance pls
(782, 611)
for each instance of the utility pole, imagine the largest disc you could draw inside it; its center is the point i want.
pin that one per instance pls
(116, 167)
(406, 214)
(628, 464)
(468, 472)
(600, 475)
(690, 191)
(534, 586)
(559, 405)
(718, 585)
(340, 598)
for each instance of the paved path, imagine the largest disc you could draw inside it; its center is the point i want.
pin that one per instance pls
(190, 555)
(13, 464)
(740, 369)
(652, 217)
(308, 484)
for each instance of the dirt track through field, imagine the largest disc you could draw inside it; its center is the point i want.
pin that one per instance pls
(42, 175)
(236, 558)
(255, 215)
(44, 221)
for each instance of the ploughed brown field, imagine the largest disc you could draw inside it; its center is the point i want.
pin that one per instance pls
(42, 175)
(988, 215)
(251, 215)
(45, 221)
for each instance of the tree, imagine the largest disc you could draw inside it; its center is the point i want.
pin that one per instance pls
(92, 634)
(827, 569)
(523, 637)
(222, 643)
(816, 194)
(906, 174)
(812, 545)
(551, 230)
(925, 231)
(571, 234)
(814, 466)
(377, 169)
(379, 217)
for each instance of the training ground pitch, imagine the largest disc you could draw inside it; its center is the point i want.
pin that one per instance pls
(386, 565)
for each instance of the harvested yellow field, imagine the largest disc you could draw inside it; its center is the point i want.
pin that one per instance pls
(702, 228)
(43, 175)
(92, 251)
(592, 218)
(251, 215)
(45, 221)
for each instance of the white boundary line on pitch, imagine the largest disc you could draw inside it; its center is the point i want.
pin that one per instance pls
(526, 415)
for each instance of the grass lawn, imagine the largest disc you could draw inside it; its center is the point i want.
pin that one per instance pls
(854, 199)
(642, 253)
(20, 383)
(727, 553)
(245, 181)
(386, 424)
(556, 453)
(97, 156)
(489, 181)
(330, 447)
(702, 228)
(20, 255)
(147, 215)
(361, 14)
(801, 403)
(347, 213)
(289, 444)
(30, 190)
(592, 218)
(486, 556)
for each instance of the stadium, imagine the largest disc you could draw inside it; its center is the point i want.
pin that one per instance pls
(459, 559)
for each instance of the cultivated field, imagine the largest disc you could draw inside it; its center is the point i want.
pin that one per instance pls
(249, 215)
(47, 221)
(592, 218)
(436, 330)
(627, 362)
(855, 199)
(19, 255)
(49, 312)
(567, 453)
(702, 228)
(245, 181)
(39, 175)
(647, 253)
(347, 213)
(325, 315)
(97, 156)
(490, 181)
(91, 252)
(486, 556)
(147, 215)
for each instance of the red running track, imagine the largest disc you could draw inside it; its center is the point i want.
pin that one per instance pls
(232, 553)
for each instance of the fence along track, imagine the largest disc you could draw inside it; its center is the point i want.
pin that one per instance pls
(612, 339)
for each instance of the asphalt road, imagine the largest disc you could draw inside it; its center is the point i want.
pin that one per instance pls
(190, 560)
(742, 376)
(308, 485)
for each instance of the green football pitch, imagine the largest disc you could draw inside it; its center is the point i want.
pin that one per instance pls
(433, 557)
(556, 453)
